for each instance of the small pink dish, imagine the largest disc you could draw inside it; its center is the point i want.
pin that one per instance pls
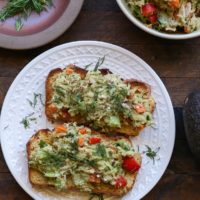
(40, 29)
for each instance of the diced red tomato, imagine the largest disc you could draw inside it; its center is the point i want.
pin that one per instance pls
(153, 18)
(121, 182)
(130, 164)
(148, 9)
(94, 140)
(82, 131)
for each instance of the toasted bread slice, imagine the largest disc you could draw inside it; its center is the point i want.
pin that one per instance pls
(62, 115)
(37, 179)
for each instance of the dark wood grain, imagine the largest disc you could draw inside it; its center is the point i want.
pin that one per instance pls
(10, 189)
(177, 187)
(176, 62)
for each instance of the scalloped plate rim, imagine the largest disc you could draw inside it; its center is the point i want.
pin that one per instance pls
(100, 44)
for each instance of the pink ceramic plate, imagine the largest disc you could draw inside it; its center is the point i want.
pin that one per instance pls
(40, 29)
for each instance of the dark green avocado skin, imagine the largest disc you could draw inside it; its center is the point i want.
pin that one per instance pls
(191, 117)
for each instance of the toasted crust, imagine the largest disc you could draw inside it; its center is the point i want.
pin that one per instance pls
(38, 180)
(64, 116)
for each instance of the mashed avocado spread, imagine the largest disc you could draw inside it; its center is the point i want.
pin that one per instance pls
(105, 101)
(73, 154)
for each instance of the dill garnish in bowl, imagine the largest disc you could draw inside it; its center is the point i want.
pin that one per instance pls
(22, 10)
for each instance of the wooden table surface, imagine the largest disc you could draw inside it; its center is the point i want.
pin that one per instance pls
(176, 62)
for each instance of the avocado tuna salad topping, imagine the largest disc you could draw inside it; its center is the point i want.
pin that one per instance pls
(85, 158)
(168, 15)
(105, 101)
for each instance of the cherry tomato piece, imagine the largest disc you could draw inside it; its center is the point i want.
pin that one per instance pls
(94, 140)
(153, 19)
(148, 9)
(121, 182)
(130, 164)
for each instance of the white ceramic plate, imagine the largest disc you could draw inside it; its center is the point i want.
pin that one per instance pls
(32, 80)
(174, 36)
(39, 29)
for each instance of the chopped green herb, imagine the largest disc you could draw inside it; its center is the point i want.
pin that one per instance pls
(151, 153)
(99, 63)
(18, 24)
(60, 91)
(26, 120)
(101, 150)
(137, 13)
(42, 144)
(57, 99)
(59, 183)
(74, 147)
(40, 98)
(33, 119)
(79, 97)
(91, 163)
(124, 145)
(23, 8)
(86, 66)
(35, 100)
(98, 196)
(72, 156)
(53, 160)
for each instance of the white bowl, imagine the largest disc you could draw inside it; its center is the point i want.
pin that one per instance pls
(175, 36)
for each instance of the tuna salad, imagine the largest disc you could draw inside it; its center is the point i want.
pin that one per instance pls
(175, 16)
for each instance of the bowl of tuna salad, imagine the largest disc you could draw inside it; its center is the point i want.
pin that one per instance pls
(170, 19)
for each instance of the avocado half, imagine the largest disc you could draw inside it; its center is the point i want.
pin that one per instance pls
(191, 117)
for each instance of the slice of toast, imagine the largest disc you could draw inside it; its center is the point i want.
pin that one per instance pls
(62, 115)
(37, 179)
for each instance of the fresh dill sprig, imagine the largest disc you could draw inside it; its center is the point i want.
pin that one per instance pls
(42, 144)
(101, 150)
(86, 66)
(35, 100)
(151, 153)
(26, 120)
(98, 196)
(23, 8)
(99, 63)
(18, 24)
